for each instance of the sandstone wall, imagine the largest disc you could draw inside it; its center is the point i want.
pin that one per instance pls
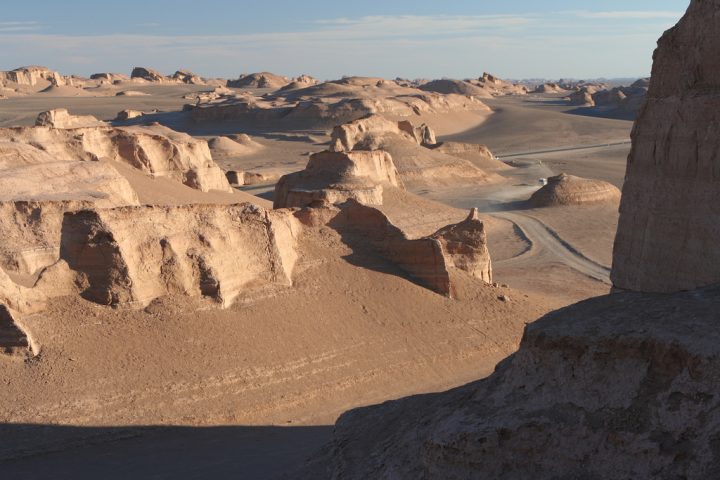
(669, 216)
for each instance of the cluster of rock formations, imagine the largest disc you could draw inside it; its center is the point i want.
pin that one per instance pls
(567, 189)
(331, 103)
(486, 86)
(626, 100)
(621, 386)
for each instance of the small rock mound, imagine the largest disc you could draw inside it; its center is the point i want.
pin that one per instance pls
(571, 190)
(459, 87)
(61, 118)
(259, 80)
(236, 146)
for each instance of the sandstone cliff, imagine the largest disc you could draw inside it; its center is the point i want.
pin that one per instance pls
(132, 255)
(669, 221)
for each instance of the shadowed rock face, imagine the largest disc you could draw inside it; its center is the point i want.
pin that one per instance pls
(13, 340)
(669, 218)
(429, 260)
(132, 255)
(614, 387)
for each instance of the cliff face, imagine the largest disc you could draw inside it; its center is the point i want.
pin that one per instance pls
(132, 255)
(669, 216)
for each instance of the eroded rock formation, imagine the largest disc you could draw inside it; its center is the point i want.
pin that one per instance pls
(336, 177)
(669, 221)
(259, 80)
(567, 189)
(155, 150)
(31, 76)
(13, 340)
(614, 387)
(61, 118)
(132, 255)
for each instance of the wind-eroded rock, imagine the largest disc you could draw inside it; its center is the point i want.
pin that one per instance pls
(31, 76)
(669, 218)
(61, 118)
(132, 255)
(429, 260)
(336, 177)
(623, 386)
(367, 133)
(567, 189)
(155, 150)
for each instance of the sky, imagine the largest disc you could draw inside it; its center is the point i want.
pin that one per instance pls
(331, 38)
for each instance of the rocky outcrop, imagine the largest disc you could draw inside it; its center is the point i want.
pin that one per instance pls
(109, 77)
(188, 77)
(566, 189)
(28, 171)
(459, 87)
(32, 76)
(259, 80)
(335, 177)
(131, 255)
(233, 146)
(155, 150)
(669, 222)
(13, 340)
(61, 118)
(31, 232)
(430, 261)
(367, 133)
(581, 98)
(477, 154)
(614, 387)
(549, 87)
(499, 87)
(147, 74)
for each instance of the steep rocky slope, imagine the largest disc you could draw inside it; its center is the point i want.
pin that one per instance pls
(668, 215)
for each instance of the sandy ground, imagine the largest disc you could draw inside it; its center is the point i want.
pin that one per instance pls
(184, 390)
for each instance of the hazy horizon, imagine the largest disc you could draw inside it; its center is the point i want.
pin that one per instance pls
(405, 39)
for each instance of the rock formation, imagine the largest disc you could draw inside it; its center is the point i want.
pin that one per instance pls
(418, 158)
(499, 87)
(566, 189)
(581, 98)
(61, 118)
(669, 223)
(132, 255)
(233, 146)
(478, 155)
(31, 76)
(367, 133)
(335, 177)
(147, 74)
(259, 80)
(459, 87)
(188, 77)
(13, 340)
(549, 87)
(620, 386)
(155, 150)
(109, 77)
(614, 387)
(431, 261)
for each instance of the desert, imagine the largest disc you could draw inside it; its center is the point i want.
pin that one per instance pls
(337, 271)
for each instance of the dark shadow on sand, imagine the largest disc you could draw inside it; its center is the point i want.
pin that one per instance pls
(37, 452)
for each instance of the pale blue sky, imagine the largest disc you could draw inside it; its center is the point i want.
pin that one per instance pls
(408, 38)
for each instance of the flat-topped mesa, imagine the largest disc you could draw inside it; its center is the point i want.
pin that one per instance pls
(132, 255)
(61, 118)
(366, 133)
(155, 150)
(669, 218)
(31, 76)
(567, 189)
(338, 176)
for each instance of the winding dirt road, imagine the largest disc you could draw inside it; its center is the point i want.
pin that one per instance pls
(546, 243)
